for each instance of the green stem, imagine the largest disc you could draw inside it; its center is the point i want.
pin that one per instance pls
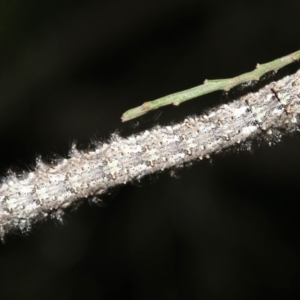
(210, 86)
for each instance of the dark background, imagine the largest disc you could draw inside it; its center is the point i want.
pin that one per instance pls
(226, 229)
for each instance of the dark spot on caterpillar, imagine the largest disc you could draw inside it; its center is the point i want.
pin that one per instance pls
(187, 152)
(110, 177)
(148, 163)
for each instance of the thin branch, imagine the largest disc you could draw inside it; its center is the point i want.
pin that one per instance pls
(210, 86)
(49, 189)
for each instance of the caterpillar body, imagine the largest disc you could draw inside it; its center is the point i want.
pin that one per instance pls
(49, 189)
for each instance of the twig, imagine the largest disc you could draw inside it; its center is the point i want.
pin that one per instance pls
(210, 86)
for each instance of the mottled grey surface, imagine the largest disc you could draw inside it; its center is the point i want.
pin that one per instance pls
(49, 189)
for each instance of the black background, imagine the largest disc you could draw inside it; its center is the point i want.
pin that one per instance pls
(226, 229)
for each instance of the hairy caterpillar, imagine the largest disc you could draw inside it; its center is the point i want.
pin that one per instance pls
(49, 189)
